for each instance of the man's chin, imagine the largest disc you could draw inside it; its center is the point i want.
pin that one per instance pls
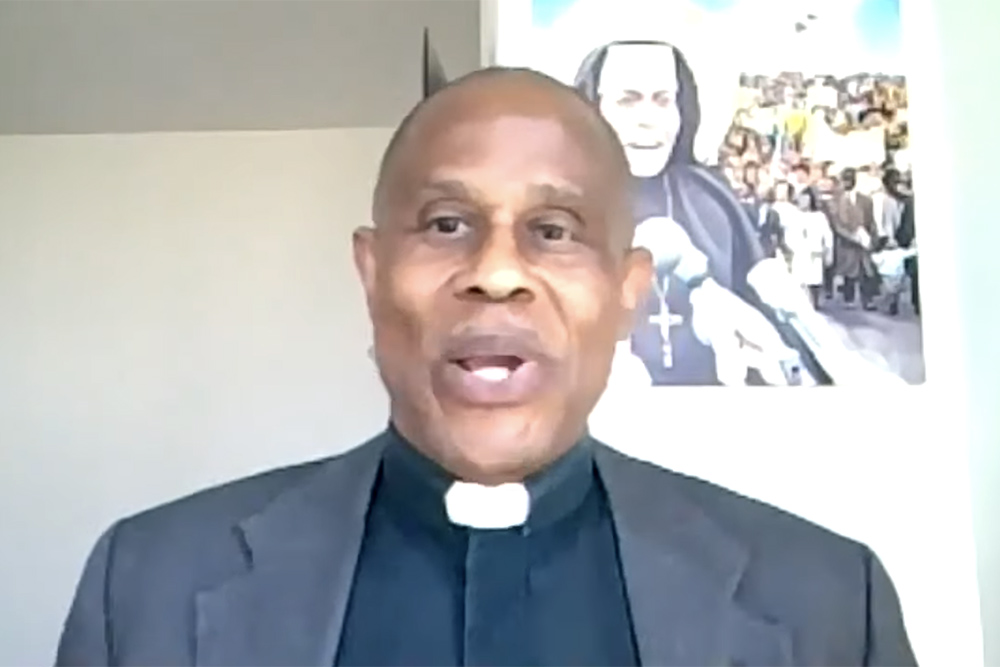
(496, 445)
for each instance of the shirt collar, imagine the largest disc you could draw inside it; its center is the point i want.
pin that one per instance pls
(415, 485)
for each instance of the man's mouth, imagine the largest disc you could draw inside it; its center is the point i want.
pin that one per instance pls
(493, 368)
(487, 370)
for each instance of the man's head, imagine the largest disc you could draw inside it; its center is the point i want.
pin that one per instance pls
(849, 179)
(827, 186)
(806, 200)
(891, 181)
(500, 272)
(801, 174)
(646, 92)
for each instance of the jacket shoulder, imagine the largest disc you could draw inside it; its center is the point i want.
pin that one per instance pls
(795, 573)
(135, 595)
(219, 505)
(832, 592)
(774, 536)
(217, 509)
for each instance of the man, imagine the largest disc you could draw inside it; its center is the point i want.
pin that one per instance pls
(647, 92)
(906, 237)
(757, 197)
(887, 204)
(484, 526)
(853, 220)
(801, 178)
(887, 208)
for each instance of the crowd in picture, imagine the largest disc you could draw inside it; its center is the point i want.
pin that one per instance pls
(822, 165)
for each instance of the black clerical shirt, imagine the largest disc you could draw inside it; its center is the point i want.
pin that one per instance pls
(427, 592)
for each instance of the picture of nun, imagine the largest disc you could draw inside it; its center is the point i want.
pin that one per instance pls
(720, 311)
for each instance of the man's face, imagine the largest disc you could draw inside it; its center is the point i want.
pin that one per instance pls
(498, 281)
(891, 183)
(638, 97)
(849, 179)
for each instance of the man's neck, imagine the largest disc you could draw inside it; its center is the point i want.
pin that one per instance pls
(460, 469)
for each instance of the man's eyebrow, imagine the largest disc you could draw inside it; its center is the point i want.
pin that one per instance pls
(556, 195)
(449, 188)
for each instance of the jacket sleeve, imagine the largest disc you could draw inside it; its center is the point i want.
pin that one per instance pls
(886, 643)
(86, 635)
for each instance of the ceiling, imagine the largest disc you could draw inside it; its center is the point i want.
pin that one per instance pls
(110, 66)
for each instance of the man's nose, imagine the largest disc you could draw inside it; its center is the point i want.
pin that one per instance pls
(497, 271)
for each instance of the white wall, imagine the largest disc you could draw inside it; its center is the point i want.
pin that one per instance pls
(969, 51)
(175, 310)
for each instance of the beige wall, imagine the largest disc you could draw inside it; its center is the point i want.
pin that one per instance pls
(175, 310)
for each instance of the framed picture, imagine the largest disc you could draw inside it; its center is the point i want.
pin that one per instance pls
(770, 148)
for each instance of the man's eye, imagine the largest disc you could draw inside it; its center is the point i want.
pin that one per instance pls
(448, 225)
(551, 232)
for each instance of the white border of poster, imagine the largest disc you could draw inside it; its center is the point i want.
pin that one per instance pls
(888, 467)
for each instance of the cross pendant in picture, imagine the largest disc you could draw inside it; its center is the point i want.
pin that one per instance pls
(665, 320)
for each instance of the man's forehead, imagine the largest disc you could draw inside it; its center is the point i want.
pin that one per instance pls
(470, 185)
(510, 146)
(639, 66)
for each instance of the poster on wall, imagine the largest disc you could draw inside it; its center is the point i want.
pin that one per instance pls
(768, 140)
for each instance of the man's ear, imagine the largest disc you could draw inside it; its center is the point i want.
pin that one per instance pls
(637, 280)
(363, 246)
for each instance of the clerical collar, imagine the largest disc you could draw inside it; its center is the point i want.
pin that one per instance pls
(416, 485)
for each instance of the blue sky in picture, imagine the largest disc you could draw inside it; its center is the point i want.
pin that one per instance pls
(877, 21)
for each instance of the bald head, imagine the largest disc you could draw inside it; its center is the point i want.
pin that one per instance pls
(496, 92)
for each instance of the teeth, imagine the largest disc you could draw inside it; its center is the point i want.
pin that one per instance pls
(492, 373)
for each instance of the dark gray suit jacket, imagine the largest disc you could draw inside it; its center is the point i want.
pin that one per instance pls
(258, 572)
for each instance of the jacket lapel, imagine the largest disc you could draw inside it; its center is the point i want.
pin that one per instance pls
(289, 607)
(681, 573)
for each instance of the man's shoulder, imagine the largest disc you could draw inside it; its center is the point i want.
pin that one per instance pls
(210, 514)
(830, 592)
(771, 533)
(225, 502)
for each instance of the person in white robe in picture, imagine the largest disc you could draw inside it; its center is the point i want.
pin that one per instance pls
(808, 239)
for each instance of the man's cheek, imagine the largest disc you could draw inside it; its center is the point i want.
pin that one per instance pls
(587, 301)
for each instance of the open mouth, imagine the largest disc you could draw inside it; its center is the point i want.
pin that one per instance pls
(493, 368)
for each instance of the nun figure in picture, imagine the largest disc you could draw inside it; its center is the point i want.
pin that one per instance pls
(706, 321)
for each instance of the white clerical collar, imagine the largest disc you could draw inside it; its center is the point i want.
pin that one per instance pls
(421, 489)
(487, 507)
